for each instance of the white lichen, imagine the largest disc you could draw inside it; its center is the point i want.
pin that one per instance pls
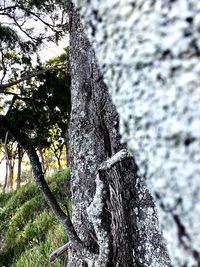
(116, 158)
(149, 54)
(94, 212)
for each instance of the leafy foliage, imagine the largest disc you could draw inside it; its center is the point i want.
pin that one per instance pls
(18, 34)
(47, 106)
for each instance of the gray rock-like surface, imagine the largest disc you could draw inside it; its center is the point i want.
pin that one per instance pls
(149, 54)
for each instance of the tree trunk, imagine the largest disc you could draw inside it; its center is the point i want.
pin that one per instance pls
(6, 179)
(66, 143)
(149, 53)
(113, 212)
(58, 154)
(11, 165)
(19, 169)
(11, 174)
(31, 173)
(42, 160)
(59, 164)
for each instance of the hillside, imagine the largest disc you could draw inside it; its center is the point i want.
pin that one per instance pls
(29, 230)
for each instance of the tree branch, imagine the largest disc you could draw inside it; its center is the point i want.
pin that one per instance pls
(27, 12)
(96, 209)
(20, 27)
(118, 157)
(25, 142)
(3, 65)
(7, 8)
(39, 18)
(29, 76)
(58, 252)
(17, 96)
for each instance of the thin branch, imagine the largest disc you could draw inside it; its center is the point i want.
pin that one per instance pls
(8, 7)
(58, 252)
(17, 96)
(29, 76)
(29, 12)
(51, 26)
(4, 66)
(118, 157)
(20, 27)
(8, 93)
(24, 21)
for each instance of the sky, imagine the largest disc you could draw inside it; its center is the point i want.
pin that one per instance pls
(51, 50)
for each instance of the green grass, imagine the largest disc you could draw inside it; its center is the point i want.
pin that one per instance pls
(29, 230)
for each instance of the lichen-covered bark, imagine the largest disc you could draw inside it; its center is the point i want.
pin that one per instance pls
(113, 212)
(149, 53)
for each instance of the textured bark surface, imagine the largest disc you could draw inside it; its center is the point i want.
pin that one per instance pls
(113, 212)
(19, 166)
(149, 54)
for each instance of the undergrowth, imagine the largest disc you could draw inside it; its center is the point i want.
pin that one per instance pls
(29, 230)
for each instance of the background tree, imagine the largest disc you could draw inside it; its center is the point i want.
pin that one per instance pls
(22, 138)
(9, 151)
(43, 117)
(20, 154)
(19, 52)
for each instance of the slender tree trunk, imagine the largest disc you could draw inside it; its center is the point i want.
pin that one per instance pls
(19, 169)
(58, 154)
(12, 157)
(31, 173)
(113, 212)
(6, 179)
(59, 164)
(7, 187)
(58, 161)
(42, 160)
(66, 143)
(11, 174)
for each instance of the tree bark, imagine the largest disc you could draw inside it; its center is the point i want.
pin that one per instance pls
(19, 169)
(11, 174)
(42, 160)
(113, 212)
(57, 151)
(59, 164)
(7, 185)
(6, 179)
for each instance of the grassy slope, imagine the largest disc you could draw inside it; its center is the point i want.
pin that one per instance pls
(29, 230)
